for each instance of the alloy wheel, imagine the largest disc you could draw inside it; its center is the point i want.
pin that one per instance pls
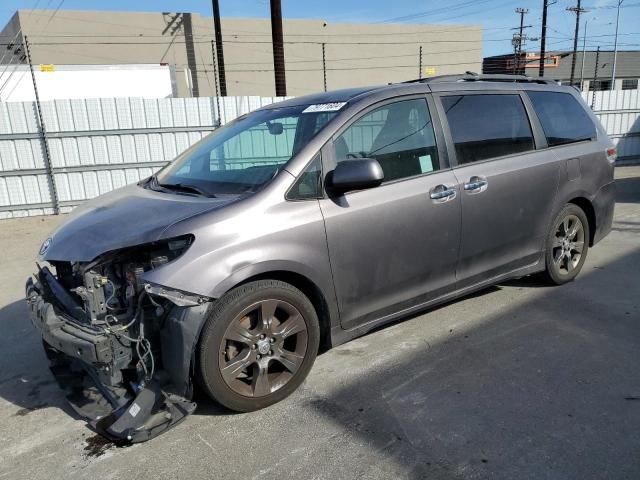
(263, 347)
(568, 244)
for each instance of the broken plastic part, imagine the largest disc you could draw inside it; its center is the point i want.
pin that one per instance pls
(115, 412)
(180, 299)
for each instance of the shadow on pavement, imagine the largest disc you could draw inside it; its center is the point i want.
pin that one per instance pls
(542, 390)
(25, 380)
(627, 190)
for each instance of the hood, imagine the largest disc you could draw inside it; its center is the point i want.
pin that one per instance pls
(122, 218)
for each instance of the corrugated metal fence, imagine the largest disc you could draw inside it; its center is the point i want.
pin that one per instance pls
(619, 112)
(97, 145)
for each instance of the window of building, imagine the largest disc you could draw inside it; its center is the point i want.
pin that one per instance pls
(599, 85)
(563, 118)
(398, 135)
(630, 84)
(487, 126)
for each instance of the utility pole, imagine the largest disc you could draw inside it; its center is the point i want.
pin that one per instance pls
(219, 49)
(43, 135)
(215, 82)
(187, 29)
(278, 48)
(514, 41)
(324, 68)
(518, 40)
(577, 10)
(543, 37)
(615, 48)
(595, 78)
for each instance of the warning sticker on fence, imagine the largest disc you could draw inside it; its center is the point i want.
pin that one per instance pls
(324, 107)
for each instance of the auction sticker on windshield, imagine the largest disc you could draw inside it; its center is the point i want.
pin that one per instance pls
(324, 107)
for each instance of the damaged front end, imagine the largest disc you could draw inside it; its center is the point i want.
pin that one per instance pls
(122, 348)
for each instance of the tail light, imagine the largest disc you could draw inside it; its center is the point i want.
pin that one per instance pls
(612, 154)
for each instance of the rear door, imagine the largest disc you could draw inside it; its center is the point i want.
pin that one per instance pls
(507, 186)
(397, 244)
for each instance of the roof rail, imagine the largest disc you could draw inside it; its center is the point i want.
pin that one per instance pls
(474, 77)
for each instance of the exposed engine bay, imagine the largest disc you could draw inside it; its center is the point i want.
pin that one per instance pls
(121, 347)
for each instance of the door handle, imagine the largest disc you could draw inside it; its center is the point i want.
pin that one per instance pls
(476, 185)
(442, 193)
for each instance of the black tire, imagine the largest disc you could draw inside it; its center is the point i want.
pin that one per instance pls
(563, 258)
(232, 338)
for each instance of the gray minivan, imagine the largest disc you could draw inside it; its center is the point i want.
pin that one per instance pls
(306, 223)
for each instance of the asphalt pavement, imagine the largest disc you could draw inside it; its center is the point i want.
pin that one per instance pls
(518, 381)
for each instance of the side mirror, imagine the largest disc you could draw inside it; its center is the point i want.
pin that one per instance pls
(356, 174)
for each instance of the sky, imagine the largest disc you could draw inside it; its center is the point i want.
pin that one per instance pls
(497, 17)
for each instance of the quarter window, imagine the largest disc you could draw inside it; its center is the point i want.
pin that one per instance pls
(398, 135)
(562, 117)
(487, 126)
(308, 184)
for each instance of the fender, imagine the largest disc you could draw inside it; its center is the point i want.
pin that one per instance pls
(325, 286)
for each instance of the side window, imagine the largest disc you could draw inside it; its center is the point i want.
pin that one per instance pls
(487, 126)
(562, 117)
(398, 135)
(308, 185)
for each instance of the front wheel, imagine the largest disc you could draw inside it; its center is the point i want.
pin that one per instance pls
(258, 345)
(567, 245)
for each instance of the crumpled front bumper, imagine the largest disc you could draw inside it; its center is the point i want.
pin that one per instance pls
(82, 359)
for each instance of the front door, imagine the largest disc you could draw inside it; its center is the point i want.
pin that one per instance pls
(397, 244)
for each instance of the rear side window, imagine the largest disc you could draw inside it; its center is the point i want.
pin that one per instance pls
(562, 117)
(487, 126)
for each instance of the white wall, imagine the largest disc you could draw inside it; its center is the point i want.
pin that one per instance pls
(86, 81)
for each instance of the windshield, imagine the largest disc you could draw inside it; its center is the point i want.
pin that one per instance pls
(245, 154)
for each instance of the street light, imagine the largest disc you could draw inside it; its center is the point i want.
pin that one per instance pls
(584, 51)
(584, 48)
(615, 48)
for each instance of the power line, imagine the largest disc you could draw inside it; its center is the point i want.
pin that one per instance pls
(154, 30)
(249, 33)
(13, 51)
(434, 11)
(347, 68)
(24, 53)
(287, 42)
(610, 7)
(345, 59)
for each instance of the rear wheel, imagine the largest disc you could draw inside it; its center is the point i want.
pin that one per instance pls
(567, 245)
(258, 345)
